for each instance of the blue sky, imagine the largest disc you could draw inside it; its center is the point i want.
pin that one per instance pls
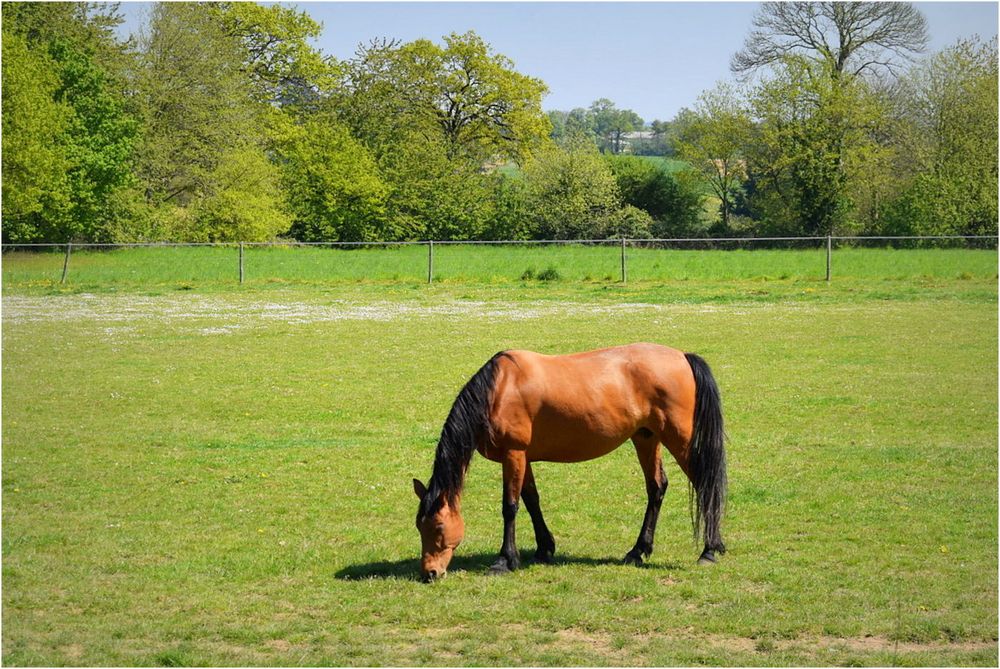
(652, 57)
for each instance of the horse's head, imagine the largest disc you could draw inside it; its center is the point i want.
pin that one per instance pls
(441, 531)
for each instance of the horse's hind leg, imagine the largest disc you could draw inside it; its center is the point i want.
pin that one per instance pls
(647, 447)
(543, 538)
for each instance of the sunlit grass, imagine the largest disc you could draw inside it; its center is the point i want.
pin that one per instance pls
(223, 478)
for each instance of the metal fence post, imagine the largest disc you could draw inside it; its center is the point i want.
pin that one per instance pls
(69, 249)
(624, 273)
(241, 262)
(829, 254)
(430, 261)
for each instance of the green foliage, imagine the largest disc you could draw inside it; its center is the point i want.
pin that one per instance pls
(462, 94)
(432, 195)
(632, 222)
(222, 121)
(844, 144)
(670, 202)
(949, 140)
(610, 123)
(203, 153)
(579, 124)
(715, 137)
(811, 128)
(245, 203)
(69, 135)
(332, 185)
(549, 274)
(437, 119)
(282, 66)
(101, 144)
(511, 216)
(35, 188)
(605, 125)
(572, 193)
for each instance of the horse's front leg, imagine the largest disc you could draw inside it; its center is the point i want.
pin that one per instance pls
(515, 463)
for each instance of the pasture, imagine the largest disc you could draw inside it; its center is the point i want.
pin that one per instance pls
(220, 475)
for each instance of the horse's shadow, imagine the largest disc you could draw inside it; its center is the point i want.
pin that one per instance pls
(478, 562)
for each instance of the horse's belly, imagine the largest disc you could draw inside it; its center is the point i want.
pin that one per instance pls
(577, 453)
(576, 445)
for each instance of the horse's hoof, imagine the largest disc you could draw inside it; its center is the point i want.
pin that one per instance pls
(633, 558)
(500, 567)
(544, 556)
(707, 559)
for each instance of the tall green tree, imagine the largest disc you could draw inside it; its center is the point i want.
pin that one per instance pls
(611, 124)
(948, 144)
(205, 137)
(438, 119)
(78, 129)
(715, 139)
(463, 93)
(818, 107)
(35, 164)
(282, 66)
(812, 140)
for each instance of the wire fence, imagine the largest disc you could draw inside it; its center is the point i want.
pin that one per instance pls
(422, 260)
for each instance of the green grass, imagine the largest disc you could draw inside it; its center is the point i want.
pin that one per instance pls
(222, 476)
(669, 165)
(205, 267)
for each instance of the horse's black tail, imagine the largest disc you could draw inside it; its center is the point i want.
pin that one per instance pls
(707, 456)
(467, 426)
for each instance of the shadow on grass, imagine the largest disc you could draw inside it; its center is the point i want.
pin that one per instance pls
(480, 562)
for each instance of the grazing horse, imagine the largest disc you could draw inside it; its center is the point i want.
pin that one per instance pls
(522, 407)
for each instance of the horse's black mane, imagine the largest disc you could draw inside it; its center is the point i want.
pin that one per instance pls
(468, 425)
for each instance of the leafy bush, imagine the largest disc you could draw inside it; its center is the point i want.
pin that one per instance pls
(671, 204)
(332, 185)
(549, 274)
(571, 193)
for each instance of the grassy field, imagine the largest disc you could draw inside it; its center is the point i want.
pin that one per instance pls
(669, 165)
(208, 267)
(221, 476)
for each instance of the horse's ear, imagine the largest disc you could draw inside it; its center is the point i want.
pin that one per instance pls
(419, 488)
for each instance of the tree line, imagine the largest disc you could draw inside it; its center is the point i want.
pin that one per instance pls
(220, 122)
(836, 127)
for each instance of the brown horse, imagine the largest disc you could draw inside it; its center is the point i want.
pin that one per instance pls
(522, 407)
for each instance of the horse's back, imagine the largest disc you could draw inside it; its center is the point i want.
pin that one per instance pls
(584, 405)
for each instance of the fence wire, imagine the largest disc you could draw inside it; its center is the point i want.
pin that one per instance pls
(618, 259)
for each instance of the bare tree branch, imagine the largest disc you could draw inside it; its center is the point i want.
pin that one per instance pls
(835, 33)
